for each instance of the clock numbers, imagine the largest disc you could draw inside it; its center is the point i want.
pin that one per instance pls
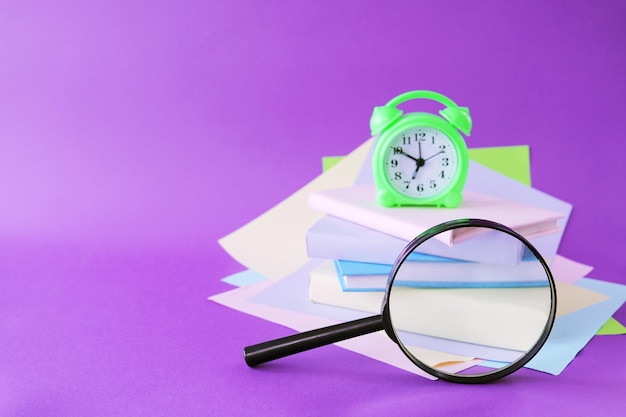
(419, 137)
(432, 184)
(421, 162)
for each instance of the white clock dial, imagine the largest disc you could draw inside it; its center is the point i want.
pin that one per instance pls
(420, 162)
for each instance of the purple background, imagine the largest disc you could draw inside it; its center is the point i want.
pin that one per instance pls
(134, 134)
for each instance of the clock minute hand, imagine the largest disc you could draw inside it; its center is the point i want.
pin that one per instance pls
(420, 161)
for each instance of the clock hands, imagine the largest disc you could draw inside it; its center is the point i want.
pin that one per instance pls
(419, 161)
(412, 157)
(432, 156)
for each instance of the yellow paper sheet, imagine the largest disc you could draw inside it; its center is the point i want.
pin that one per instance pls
(274, 243)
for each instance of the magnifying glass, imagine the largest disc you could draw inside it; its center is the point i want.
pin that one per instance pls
(455, 318)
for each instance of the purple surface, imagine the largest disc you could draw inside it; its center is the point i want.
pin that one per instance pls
(134, 134)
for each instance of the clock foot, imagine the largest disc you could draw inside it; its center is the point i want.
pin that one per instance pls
(453, 200)
(385, 198)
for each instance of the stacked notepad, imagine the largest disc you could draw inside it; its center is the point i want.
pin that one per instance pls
(362, 239)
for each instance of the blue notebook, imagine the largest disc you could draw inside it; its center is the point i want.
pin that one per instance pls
(426, 271)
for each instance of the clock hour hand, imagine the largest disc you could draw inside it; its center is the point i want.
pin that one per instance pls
(420, 163)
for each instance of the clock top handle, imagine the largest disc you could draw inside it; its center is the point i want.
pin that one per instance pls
(429, 95)
(384, 116)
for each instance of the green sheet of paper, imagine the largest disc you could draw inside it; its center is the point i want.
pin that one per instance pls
(612, 327)
(512, 161)
(330, 161)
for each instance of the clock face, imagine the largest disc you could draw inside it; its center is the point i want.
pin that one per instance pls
(420, 162)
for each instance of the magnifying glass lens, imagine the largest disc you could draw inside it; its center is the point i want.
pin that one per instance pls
(465, 318)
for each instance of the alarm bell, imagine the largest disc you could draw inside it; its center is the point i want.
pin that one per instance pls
(459, 117)
(383, 116)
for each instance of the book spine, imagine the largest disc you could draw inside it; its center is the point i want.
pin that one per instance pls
(324, 246)
(324, 288)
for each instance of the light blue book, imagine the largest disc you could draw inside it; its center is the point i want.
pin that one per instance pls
(426, 271)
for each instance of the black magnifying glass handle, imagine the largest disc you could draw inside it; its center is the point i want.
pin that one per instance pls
(289, 345)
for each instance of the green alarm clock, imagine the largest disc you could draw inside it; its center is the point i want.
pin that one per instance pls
(420, 159)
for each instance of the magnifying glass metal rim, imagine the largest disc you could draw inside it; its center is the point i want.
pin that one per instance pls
(300, 342)
(487, 376)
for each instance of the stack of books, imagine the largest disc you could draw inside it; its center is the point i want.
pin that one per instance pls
(360, 240)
